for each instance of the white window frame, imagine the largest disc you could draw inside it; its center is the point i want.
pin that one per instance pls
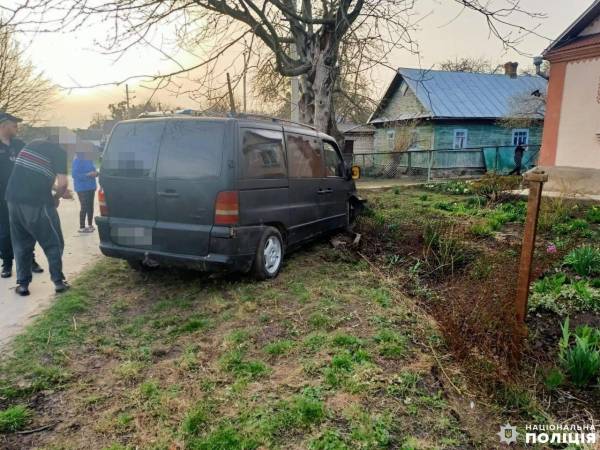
(465, 139)
(520, 130)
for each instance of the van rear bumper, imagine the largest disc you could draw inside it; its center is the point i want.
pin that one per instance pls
(228, 251)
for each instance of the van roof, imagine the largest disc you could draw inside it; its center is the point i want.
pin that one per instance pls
(247, 119)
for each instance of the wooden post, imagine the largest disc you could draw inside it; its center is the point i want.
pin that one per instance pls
(536, 179)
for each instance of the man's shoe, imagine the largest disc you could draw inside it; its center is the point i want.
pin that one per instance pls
(22, 290)
(6, 272)
(61, 286)
(36, 268)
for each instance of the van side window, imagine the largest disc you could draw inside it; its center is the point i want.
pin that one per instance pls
(132, 150)
(333, 163)
(191, 149)
(304, 156)
(262, 154)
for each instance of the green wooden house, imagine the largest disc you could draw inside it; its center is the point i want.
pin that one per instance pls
(457, 111)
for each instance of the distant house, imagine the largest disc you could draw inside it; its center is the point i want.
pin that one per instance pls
(442, 110)
(357, 138)
(571, 143)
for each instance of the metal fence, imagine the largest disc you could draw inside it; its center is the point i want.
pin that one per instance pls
(443, 163)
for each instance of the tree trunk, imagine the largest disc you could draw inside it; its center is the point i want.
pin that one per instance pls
(316, 87)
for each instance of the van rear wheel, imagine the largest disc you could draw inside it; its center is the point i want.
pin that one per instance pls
(269, 254)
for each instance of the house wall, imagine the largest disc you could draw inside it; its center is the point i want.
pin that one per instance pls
(578, 143)
(481, 134)
(363, 143)
(440, 135)
(410, 134)
(401, 106)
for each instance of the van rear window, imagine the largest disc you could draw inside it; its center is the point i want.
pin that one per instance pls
(191, 149)
(133, 149)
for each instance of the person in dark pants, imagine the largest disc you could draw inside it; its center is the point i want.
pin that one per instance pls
(519, 150)
(34, 190)
(10, 146)
(84, 180)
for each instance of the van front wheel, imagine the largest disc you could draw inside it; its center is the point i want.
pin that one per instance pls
(269, 254)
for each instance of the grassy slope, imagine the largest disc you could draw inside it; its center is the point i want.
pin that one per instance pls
(330, 355)
(324, 357)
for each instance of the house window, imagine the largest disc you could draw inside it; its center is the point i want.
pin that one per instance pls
(520, 137)
(391, 139)
(460, 139)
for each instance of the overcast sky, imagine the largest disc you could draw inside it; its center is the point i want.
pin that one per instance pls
(74, 59)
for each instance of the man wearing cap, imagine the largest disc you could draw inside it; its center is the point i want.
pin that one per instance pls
(38, 182)
(9, 148)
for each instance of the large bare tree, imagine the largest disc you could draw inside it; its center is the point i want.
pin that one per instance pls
(24, 91)
(302, 38)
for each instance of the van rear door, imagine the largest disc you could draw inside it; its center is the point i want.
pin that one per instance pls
(128, 178)
(189, 177)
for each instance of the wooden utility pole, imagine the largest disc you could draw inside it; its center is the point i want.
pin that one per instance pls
(127, 98)
(231, 100)
(536, 179)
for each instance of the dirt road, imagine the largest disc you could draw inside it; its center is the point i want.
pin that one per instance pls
(80, 249)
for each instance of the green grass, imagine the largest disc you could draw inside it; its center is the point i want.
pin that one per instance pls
(279, 348)
(234, 362)
(14, 418)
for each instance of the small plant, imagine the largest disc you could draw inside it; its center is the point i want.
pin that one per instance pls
(482, 229)
(550, 285)
(580, 359)
(585, 261)
(279, 347)
(593, 214)
(553, 293)
(554, 378)
(14, 418)
(443, 252)
(493, 186)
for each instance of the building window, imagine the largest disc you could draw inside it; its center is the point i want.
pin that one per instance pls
(460, 139)
(391, 139)
(520, 137)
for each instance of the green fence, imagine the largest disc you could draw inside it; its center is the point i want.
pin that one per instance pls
(443, 163)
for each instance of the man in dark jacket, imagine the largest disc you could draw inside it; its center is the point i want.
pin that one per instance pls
(36, 185)
(10, 147)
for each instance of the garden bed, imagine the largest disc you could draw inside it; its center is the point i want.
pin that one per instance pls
(456, 247)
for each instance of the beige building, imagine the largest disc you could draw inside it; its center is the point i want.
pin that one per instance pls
(571, 140)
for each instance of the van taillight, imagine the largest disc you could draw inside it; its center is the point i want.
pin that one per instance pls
(227, 208)
(102, 203)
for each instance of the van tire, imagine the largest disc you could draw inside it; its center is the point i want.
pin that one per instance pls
(268, 266)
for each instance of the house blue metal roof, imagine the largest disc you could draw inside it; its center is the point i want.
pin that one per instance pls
(463, 95)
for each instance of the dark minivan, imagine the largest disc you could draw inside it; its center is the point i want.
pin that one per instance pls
(219, 193)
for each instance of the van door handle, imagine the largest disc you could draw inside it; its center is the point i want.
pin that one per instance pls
(168, 193)
(324, 191)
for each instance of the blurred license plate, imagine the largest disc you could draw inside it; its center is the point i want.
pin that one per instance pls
(131, 236)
